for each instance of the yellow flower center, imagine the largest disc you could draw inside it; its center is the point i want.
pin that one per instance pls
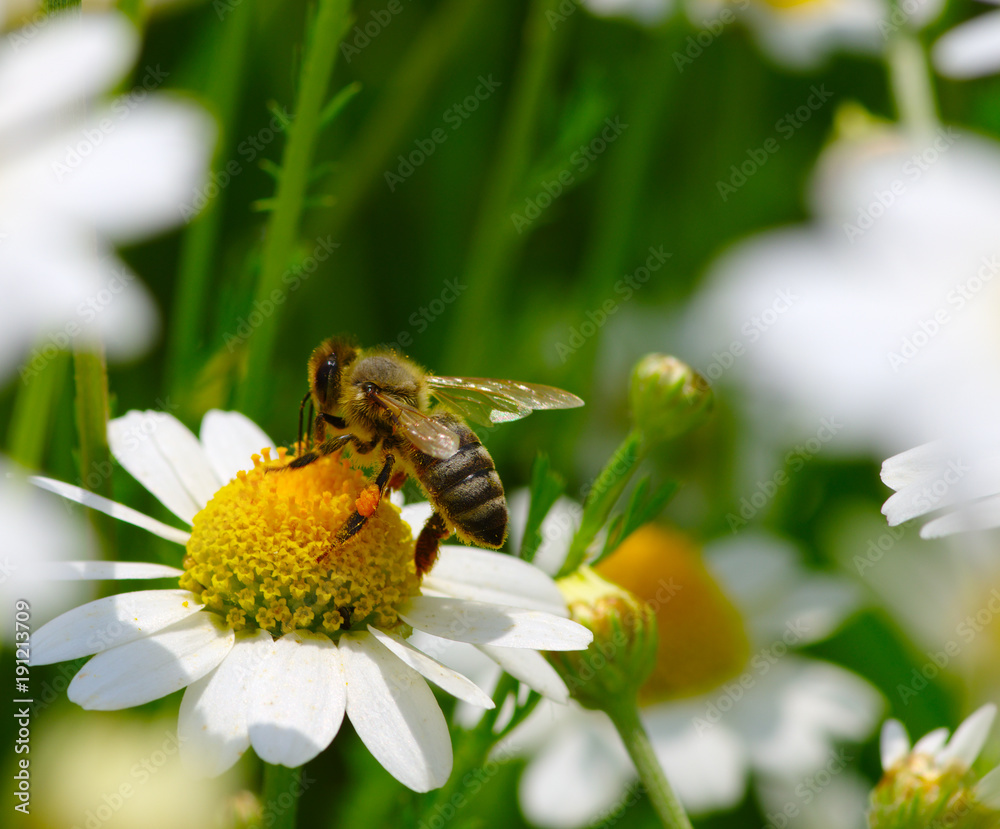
(262, 552)
(791, 5)
(702, 640)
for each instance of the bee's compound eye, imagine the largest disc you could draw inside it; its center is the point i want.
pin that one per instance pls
(368, 388)
(326, 376)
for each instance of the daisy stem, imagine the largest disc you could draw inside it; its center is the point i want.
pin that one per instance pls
(281, 786)
(91, 374)
(626, 720)
(325, 33)
(31, 421)
(911, 83)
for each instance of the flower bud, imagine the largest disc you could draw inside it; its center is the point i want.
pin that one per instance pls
(623, 652)
(932, 784)
(667, 397)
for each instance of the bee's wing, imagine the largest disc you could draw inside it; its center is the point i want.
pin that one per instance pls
(427, 434)
(489, 401)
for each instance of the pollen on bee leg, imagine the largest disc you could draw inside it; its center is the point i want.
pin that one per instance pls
(367, 501)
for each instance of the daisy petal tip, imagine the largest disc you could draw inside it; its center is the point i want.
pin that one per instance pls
(970, 736)
(894, 744)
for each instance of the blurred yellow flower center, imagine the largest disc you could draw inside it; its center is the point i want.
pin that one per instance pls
(261, 553)
(702, 642)
(791, 5)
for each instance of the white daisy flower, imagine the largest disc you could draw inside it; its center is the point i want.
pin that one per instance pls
(275, 634)
(866, 313)
(929, 783)
(729, 698)
(79, 175)
(971, 49)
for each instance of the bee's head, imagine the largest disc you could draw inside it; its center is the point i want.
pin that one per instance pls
(327, 368)
(387, 374)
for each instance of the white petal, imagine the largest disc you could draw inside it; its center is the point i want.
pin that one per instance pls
(212, 723)
(395, 714)
(988, 789)
(162, 454)
(914, 465)
(71, 57)
(229, 440)
(480, 623)
(969, 738)
(108, 507)
(445, 678)
(894, 744)
(579, 774)
(298, 698)
(932, 742)
(971, 49)
(484, 576)
(152, 667)
(531, 668)
(109, 622)
(416, 515)
(982, 515)
(106, 570)
(146, 160)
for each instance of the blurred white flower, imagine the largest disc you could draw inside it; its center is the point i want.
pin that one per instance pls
(79, 175)
(728, 636)
(795, 33)
(881, 311)
(971, 49)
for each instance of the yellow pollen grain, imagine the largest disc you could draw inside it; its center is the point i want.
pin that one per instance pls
(262, 552)
(702, 641)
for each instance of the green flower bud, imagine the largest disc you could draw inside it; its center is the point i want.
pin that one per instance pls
(623, 652)
(667, 397)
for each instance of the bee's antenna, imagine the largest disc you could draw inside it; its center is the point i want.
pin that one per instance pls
(299, 445)
(312, 419)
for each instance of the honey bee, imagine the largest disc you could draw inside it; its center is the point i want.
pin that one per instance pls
(380, 400)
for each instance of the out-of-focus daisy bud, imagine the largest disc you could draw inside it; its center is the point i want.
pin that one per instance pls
(667, 398)
(623, 652)
(932, 784)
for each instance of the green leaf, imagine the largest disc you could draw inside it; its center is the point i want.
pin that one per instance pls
(546, 487)
(640, 510)
(338, 102)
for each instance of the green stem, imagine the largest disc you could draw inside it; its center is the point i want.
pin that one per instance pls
(602, 497)
(91, 375)
(51, 6)
(31, 420)
(630, 728)
(196, 258)
(326, 32)
(910, 78)
(282, 789)
(494, 239)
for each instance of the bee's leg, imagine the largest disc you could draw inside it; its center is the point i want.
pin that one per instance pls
(429, 541)
(397, 480)
(365, 505)
(327, 447)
